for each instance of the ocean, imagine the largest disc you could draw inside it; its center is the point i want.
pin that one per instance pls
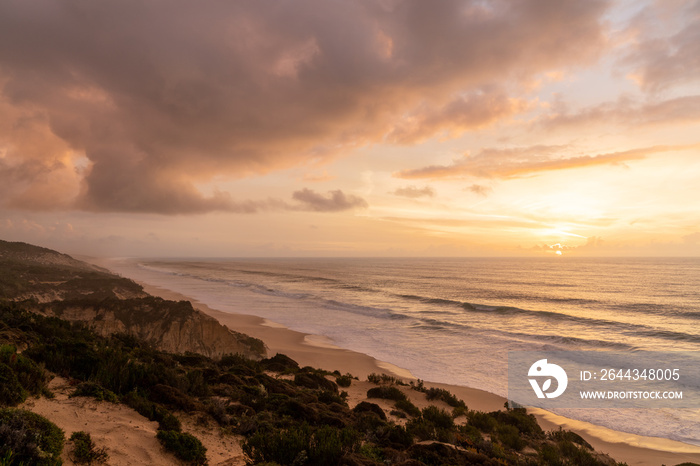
(454, 320)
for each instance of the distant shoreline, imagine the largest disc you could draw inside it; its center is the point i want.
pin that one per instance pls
(313, 350)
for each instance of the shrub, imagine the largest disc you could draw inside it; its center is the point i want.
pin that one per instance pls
(280, 363)
(384, 379)
(549, 454)
(408, 407)
(29, 439)
(84, 450)
(185, 446)
(288, 446)
(444, 395)
(567, 435)
(344, 380)
(510, 437)
(96, 391)
(173, 398)
(315, 381)
(29, 374)
(299, 444)
(165, 419)
(387, 393)
(11, 391)
(518, 417)
(438, 417)
(365, 406)
(482, 421)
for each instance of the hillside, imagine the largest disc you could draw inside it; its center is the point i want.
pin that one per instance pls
(55, 284)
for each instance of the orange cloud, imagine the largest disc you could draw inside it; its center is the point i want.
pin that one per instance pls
(510, 163)
(414, 192)
(456, 117)
(161, 99)
(625, 112)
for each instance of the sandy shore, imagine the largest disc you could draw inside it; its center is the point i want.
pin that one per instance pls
(316, 351)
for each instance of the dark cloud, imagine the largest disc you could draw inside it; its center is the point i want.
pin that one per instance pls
(414, 192)
(511, 163)
(160, 96)
(335, 201)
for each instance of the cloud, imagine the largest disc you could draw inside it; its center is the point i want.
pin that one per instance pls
(335, 201)
(464, 113)
(480, 190)
(511, 163)
(318, 178)
(414, 192)
(159, 97)
(667, 50)
(625, 112)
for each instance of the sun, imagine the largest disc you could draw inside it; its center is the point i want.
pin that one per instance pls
(558, 253)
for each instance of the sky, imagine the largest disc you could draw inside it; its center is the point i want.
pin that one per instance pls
(351, 127)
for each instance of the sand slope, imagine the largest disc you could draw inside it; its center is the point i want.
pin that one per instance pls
(128, 437)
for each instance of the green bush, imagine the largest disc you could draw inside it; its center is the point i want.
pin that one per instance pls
(567, 435)
(289, 446)
(29, 374)
(344, 380)
(386, 393)
(84, 450)
(482, 421)
(408, 407)
(438, 417)
(29, 439)
(518, 417)
(11, 391)
(185, 446)
(280, 363)
(434, 424)
(384, 379)
(96, 391)
(165, 419)
(510, 437)
(444, 395)
(315, 380)
(365, 406)
(300, 444)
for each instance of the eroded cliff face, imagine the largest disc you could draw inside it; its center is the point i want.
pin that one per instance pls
(54, 284)
(174, 332)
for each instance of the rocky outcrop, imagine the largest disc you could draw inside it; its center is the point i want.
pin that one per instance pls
(55, 284)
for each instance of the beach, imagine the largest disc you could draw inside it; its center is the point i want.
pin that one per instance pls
(316, 351)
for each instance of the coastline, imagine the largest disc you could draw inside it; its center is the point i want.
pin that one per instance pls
(317, 351)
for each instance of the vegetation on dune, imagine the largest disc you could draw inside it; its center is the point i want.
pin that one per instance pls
(304, 419)
(85, 451)
(27, 438)
(287, 414)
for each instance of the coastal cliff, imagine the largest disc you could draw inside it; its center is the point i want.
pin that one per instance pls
(55, 284)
